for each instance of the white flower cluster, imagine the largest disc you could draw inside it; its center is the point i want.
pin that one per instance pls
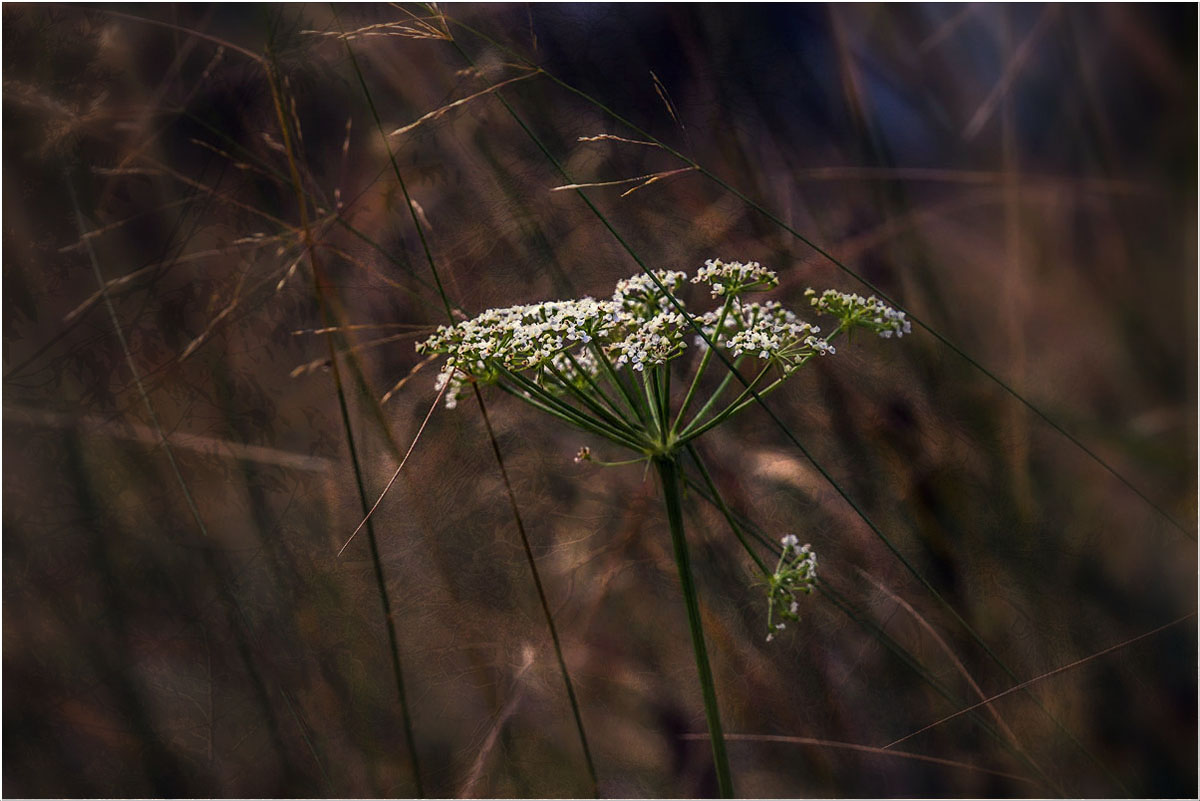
(855, 311)
(515, 339)
(795, 574)
(638, 327)
(641, 326)
(770, 331)
(638, 295)
(732, 278)
(578, 368)
(652, 341)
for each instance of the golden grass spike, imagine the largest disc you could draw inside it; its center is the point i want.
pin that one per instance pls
(614, 138)
(387, 396)
(433, 115)
(95, 232)
(666, 99)
(116, 283)
(420, 329)
(641, 180)
(656, 177)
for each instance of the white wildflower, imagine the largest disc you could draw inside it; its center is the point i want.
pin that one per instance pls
(734, 277)
(639, 296)
(770, 331)
(855, 311)
(651, 342)
(794, 575)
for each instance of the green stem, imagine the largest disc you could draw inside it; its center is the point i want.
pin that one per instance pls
(666, 401)
(668, 471)
(657, 381)
(741, 403)
(600, 393)
(704, 360)
(566, 410)
(541, 592)
(619, 423)
(712, 400)
(611, 372)
(725, 511)
(695, 428)
(573, 418)
(652, 403)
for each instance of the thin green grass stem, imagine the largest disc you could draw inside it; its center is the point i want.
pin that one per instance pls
(537, 581)
(719, 502)
(380, 581)
(668, 471)
(483, 411)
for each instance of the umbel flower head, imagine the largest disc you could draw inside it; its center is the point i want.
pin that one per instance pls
(604, 365)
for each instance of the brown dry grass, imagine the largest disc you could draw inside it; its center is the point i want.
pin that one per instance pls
(1020, 178)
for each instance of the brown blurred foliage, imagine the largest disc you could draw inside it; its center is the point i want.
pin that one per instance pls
(1021, 178)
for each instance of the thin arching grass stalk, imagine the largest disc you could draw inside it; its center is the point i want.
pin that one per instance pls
(779, 738)
(740, 526)
(788, 433)
(1023, 685)
(332, 322)
(491, 436)
(537, 581)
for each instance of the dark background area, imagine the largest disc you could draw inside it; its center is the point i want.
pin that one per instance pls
(1022, 178)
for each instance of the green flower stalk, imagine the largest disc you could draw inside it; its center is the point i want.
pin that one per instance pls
(605, 367)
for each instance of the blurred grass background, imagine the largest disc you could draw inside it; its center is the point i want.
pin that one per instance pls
(1022, 178)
